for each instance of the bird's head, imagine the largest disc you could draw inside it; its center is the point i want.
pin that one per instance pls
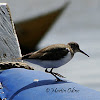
(75, 47)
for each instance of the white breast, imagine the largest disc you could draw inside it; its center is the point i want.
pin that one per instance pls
(58, 63)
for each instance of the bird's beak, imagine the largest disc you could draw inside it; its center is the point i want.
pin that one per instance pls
(83, 53)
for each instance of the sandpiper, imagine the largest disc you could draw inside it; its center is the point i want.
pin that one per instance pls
(53, 56)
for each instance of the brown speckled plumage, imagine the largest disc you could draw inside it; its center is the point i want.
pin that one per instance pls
(53, 52)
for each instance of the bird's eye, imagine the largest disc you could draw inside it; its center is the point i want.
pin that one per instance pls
(72, 45)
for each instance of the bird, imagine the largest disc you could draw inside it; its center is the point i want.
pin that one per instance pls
(53, 56)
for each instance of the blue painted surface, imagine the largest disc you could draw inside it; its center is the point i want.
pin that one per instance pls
(23, 84)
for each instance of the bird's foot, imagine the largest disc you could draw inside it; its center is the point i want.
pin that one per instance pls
(58, 75)
(55, 74)
(57, 79)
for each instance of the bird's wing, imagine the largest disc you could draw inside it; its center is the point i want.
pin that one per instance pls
(48, 54)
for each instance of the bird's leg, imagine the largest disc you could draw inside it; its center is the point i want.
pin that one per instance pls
(55, 75)
(51, 70)
(47, 70)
